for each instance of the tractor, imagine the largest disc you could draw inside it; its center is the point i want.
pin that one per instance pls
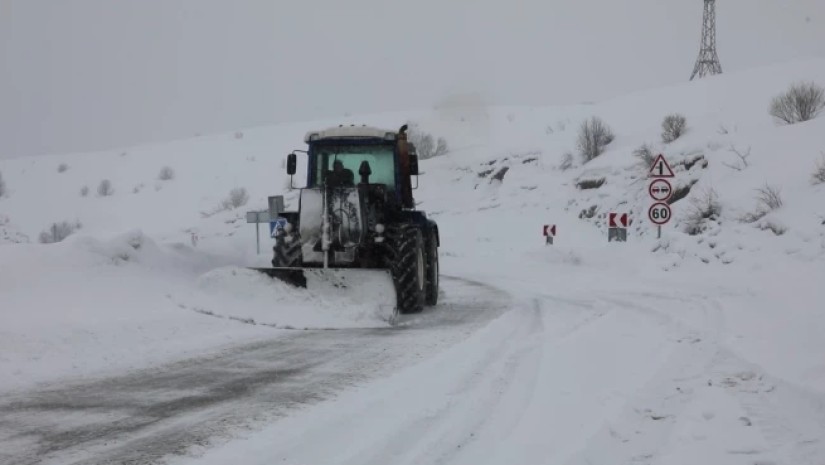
(366, 221)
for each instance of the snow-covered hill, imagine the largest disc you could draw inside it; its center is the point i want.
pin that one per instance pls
(154, 262)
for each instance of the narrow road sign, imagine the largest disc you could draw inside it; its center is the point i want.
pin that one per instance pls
(659, 213)
(660, 190)
(661, 169)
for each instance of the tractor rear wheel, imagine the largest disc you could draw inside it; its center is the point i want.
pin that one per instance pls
(407, 263)
(286, 254)
(432, 269)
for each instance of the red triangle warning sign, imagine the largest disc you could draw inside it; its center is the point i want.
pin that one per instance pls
(661, 169)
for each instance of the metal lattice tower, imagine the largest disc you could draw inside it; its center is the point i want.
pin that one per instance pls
(708, 61)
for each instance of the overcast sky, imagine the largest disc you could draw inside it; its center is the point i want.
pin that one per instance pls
(80, 75)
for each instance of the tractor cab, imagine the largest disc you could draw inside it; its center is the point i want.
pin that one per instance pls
(348, 156)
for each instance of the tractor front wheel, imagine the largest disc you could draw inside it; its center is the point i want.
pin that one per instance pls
(286, 254)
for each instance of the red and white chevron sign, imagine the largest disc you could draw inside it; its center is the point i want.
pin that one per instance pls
(622, 219)
(549, 230)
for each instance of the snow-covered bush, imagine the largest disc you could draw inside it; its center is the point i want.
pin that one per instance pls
(2, 186)
(767, 200)
(62, 168)
(58, 231)
(105, 189)
(768, 197)
(84, 191)
(585, 184)
(238, 197)
(706, 208)
(819, 172)
(673, 127)
(645, 155)
(566, 161)
(166, 174)
(425, 144)
(802, 102)
(594, 136)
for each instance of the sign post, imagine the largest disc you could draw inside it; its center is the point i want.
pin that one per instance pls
(258, 217)
(614, 231)
(549, 232)
(660, 190)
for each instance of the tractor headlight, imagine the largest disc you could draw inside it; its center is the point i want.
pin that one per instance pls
(379, 228)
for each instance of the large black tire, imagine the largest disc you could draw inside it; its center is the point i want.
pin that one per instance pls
(406, 260)
(286, 254)
(431, 286)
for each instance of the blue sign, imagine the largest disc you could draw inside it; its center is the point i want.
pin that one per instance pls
(279, 223)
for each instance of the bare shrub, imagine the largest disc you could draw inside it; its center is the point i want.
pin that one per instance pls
(105, 189)
(84, 191)
(566, 161)
(166, 174)
(768, 197)
(425, 144)
(742, 163)
(646, 155)
(594, 136)
(818, 175)
(237, 197)
(2, 186)
(57, 232)
(62, 168)
(802, 102)
(673, 127)
(767, 200)
(706, 208)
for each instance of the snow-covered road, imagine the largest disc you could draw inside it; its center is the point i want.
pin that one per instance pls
(567, 377)
(148, 414)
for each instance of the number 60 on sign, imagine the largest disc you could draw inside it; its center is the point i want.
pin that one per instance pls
(659, 213)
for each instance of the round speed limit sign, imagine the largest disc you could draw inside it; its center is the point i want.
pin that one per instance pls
(659, 213)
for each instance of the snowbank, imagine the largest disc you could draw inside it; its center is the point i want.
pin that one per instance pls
(87, 306)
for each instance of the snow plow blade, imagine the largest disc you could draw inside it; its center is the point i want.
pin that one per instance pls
(293, 276)
(371, 289)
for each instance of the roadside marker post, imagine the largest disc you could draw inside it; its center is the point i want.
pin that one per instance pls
(617, 231)
(258, 218)
(660, 190)
(549, 232)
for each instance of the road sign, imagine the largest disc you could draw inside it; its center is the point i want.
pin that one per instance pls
(659, 213)
(661, 169)
(622, 219)
(549, 230)
(660, 190)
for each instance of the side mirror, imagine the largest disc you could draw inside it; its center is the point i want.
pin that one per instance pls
(291, 164)
(413, 165)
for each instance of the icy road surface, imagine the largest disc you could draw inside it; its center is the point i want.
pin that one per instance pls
(149, 414)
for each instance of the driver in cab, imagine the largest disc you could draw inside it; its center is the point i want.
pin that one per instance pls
(340, 176)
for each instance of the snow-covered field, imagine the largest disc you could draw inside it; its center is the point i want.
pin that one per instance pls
(703, 348)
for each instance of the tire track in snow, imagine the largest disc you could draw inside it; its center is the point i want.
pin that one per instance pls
(144, 416)
(444, 408)
(704, 380)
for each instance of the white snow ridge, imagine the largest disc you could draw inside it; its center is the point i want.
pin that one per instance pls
(144, 337)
